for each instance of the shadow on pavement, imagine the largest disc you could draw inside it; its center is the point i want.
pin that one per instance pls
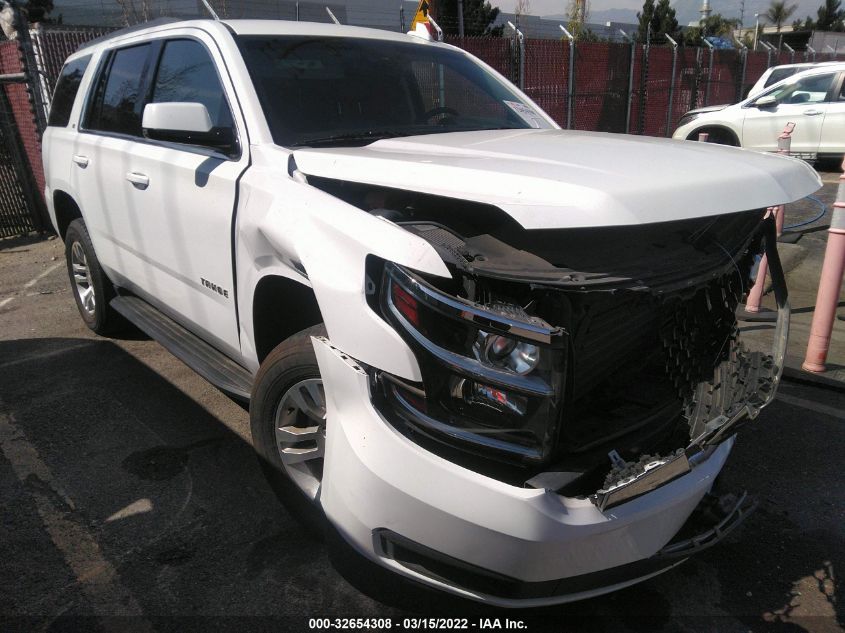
(170, 492)
(174, 498)
(20, 243)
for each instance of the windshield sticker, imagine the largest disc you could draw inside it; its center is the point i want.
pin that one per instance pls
(529, 115)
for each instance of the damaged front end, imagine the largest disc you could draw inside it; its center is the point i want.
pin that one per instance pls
(595, 363)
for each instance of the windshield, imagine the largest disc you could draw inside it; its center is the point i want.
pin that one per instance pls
(327, 91)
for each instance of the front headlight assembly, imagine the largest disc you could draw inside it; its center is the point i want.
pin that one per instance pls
(492, 375)
(689, 117)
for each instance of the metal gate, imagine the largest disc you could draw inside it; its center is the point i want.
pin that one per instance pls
(29, 68)
(22, 121)
(21, 209)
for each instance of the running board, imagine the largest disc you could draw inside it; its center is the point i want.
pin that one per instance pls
(214, 366)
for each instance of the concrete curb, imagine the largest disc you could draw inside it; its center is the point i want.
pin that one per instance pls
(792, 371)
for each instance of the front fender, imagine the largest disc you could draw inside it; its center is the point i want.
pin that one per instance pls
(293, 226)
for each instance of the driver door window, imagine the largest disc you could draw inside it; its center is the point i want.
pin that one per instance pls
(813, 89)
(186, 73)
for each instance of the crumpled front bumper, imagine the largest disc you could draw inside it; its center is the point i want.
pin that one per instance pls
(388, 497)
(443, 525)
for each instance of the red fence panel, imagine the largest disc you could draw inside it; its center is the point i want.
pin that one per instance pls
(601, 86)
(10, 63)
(547, 76)
(657, 89)
(725, 77)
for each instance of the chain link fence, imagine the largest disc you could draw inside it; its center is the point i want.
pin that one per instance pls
(21, 206)
(29, 68)
(15, 217)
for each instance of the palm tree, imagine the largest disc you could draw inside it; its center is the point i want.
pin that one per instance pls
(778, 13)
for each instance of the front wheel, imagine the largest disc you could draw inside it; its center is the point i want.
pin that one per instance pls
(717, 135)
(287, 415)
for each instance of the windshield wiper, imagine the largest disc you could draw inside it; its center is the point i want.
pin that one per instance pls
(350, 137)
(365, 138)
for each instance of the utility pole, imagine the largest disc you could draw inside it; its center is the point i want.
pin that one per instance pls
(461, 18)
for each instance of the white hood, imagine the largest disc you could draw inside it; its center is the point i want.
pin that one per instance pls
(566, 179)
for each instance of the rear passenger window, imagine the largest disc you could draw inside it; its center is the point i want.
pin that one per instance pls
(186, 73)
(117, 104)
(66, 89)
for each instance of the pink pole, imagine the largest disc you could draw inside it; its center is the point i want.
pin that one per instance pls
(755, 295)
(829, 285)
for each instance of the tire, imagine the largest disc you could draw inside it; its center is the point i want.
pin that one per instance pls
(287, 395)
(92, 289)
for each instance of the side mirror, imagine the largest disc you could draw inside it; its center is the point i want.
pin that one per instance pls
(766, 102)
(186, 123)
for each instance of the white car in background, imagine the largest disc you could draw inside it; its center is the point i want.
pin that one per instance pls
(813, 99)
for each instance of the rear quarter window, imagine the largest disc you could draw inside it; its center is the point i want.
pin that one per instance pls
(66, 89)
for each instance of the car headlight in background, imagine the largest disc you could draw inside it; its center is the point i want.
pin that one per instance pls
(688, 118)
(492, 374)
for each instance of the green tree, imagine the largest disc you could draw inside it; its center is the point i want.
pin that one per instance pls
(830, 16)
(804, 25)
(716, 24)
(479, 17)
(778, 13)
(661, 17)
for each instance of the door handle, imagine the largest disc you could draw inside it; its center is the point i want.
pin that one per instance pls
(141, 181)
(80, 160)
(812, 112)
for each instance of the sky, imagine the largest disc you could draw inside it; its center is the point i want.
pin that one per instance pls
(728, 8)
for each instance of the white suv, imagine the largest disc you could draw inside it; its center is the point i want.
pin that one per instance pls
(813, 99)
(497, 358)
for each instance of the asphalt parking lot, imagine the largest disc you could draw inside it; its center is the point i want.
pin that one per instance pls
(132, 500)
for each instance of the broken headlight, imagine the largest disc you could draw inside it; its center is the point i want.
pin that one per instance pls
(492, 374)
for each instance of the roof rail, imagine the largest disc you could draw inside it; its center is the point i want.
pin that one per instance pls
(129, 29)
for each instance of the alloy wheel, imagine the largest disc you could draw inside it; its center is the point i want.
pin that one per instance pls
(82, 278)
(300, 424)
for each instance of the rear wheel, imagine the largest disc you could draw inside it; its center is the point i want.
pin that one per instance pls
(288, 422)
(92, 289)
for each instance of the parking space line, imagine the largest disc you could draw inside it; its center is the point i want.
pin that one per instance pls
(29, 284)
(812, 406)
(97, 576)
